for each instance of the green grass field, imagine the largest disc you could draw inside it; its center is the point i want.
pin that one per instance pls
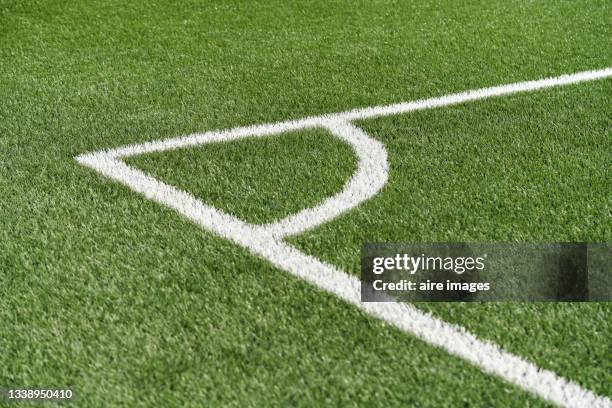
(131, 304)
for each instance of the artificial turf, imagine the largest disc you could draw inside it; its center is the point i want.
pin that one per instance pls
(131, 305)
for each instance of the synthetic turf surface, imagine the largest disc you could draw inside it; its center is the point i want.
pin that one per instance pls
(121, 298)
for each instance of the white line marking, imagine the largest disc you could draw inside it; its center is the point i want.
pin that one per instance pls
(476, 94)
(356, 114)
(370, 177)
(267, 240)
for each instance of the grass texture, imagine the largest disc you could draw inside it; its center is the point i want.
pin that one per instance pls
(131, 305)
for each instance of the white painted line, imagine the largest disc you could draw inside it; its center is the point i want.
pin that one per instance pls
(476, 94)
(370, 177)
(356, 114)
(372, 172)
(216, 136)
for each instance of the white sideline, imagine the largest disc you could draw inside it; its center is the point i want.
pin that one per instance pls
(267, 241)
